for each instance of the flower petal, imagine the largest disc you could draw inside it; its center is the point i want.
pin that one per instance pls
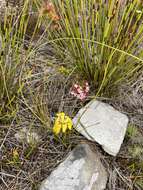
(56, 128)
(64, 127)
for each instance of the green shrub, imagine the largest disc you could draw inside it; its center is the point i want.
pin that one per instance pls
(14, 58)
(132, 131)
(102, 39)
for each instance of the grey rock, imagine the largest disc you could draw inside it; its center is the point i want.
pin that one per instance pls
(100, 122)
(82, 170)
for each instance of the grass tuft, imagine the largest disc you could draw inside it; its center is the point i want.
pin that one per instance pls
(103, 39)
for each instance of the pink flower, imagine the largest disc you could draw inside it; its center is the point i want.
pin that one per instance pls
(80, 92)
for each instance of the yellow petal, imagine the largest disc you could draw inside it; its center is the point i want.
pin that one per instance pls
(70, 124)
(56, 129)
(15, 153)
(63, 123)
(60, 114)
(62, 117)
(64, 127)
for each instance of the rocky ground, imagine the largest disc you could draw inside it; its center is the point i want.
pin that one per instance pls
(29, 153)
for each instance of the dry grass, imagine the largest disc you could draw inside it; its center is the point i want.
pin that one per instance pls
(45, 156)
(46, 93)
(49, 152)
(33, 169)
(132, 103)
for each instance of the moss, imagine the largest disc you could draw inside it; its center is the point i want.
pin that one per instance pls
(136, 151)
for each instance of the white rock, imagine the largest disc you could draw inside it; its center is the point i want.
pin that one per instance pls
(82, 170)
(100, 122)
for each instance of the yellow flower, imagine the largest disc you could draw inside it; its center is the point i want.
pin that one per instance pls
(63, 70)
(15, 155)
(62, 123)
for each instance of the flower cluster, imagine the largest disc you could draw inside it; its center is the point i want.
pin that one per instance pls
(49, 9)
(80, 92)
(63, 70)
(62, 123)
(15, 155)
